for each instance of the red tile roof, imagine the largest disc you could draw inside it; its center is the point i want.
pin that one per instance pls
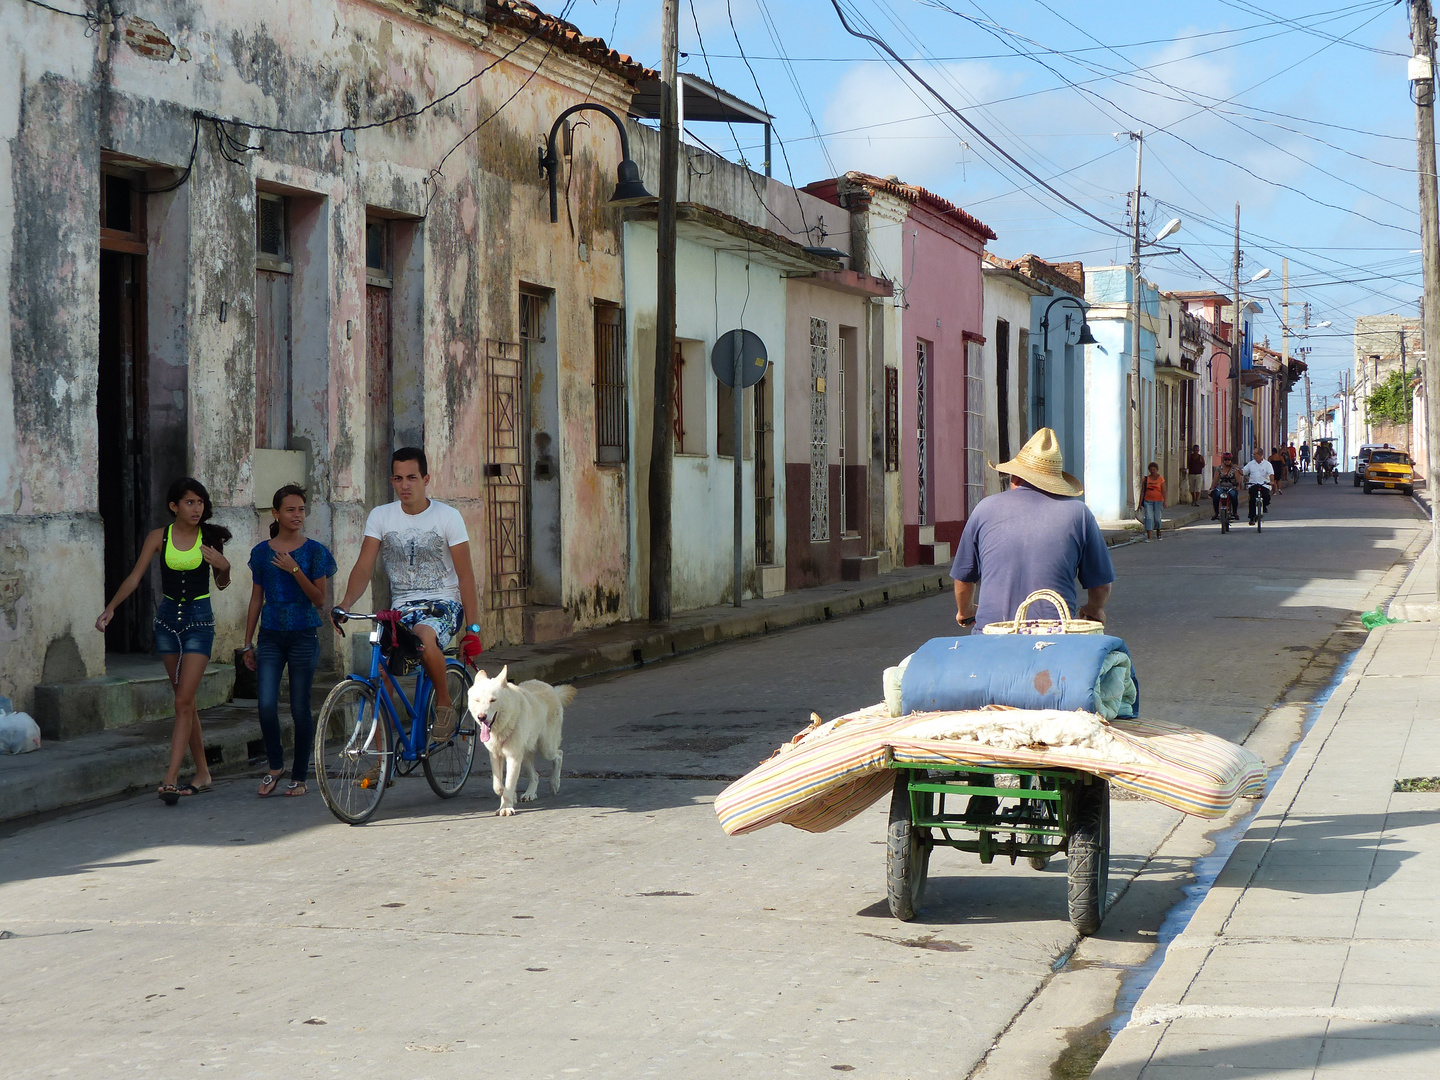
(528, 19)
(914, 193)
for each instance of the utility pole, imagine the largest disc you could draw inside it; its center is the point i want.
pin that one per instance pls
(1132, 458)
(662, 436)
(1236, 430)
(1282, 406)
(1309, 417)
(1422, 75)
(1405, 389)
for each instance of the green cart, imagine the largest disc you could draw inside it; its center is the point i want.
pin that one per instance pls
(1037, 814)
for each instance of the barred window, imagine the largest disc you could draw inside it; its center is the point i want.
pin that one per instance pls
(892, 419)
(611, 416)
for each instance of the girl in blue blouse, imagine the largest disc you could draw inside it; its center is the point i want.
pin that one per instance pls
(289, 573)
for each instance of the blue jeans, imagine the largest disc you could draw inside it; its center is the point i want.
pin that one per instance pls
(1153, 510)
(274, 650)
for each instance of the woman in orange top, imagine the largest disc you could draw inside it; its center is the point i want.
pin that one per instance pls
(1152, 501)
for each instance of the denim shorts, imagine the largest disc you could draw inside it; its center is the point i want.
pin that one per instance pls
(442, 616)
(184, 626)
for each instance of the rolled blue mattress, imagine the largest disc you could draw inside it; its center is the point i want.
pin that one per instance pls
(1091, 672)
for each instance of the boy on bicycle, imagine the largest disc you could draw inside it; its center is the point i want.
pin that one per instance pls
(426, 553)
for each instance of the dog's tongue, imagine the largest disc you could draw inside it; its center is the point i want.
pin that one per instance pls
(484, 731)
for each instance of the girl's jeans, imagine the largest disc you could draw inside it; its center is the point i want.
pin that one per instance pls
(1153, 509)
(300, 649)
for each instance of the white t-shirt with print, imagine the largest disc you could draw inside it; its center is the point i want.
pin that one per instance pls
(1258, 472)
(415, 550)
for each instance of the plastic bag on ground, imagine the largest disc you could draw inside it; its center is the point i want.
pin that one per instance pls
(19, 734)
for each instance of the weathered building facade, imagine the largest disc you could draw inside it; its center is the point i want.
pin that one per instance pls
(252, 249)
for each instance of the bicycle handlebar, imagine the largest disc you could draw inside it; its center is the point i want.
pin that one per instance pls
(338, 615)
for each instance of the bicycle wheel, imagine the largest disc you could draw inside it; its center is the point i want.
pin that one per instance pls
(353, 755)
(447, 766)
(1089, 856)
(907, 853)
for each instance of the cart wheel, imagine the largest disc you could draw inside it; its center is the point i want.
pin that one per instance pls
(907, 853)
(1089, 855)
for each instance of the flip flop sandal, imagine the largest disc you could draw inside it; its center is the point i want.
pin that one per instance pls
(189, 789)
(267, 785)
(295, 788)
(169, 794)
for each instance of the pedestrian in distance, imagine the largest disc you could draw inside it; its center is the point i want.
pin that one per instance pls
(1036, 534)
(1292, 459)
(190, 549)
(1195, 473)
(1152, 500)
(1304, 457)
(290, 572)
(1278, 466)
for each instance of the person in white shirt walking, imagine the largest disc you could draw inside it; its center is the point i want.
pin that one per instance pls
(1260, 477)
(426, 553)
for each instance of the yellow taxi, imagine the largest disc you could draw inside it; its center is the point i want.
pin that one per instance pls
(1389, 468)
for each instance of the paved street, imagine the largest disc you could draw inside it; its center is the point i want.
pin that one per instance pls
(614, 930)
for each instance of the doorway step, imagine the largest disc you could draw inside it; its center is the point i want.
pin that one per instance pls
(933, 552)
(541, 623)
(134, 690)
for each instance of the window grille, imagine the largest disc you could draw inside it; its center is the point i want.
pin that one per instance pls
(270, 236)
(922, 428)
(677, 398)
(611, 417)
(819, 456)
(974, 428)
(892, 419)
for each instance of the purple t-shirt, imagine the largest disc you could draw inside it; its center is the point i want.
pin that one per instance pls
(1024, 539)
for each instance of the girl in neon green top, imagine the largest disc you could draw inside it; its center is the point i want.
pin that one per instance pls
(191, 550)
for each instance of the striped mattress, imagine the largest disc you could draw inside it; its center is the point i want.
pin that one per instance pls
(830, 772)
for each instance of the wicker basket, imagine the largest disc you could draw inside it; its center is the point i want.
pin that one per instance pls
(1065, 624)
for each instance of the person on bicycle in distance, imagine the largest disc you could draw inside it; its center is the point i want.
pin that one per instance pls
(426, 553)
(1226, 486)
(1260, 478)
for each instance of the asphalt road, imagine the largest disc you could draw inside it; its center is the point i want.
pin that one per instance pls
(613, 930)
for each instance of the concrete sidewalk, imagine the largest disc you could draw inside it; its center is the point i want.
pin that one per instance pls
(1317, 951)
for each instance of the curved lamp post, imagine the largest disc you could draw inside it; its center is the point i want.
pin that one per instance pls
(629, 191)
(1086, 338)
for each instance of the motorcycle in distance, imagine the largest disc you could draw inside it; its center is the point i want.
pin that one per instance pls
(1229, 506)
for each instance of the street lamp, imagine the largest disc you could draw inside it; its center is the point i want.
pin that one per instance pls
(629, 191)
(1085, 338)
(1171, 227)
(1259, 275)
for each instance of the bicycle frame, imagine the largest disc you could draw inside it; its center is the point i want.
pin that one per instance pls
(410, 748)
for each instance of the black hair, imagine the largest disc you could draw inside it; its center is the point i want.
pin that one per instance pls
(213, 535)
(1153, 465)
(411, 453)
(281, 494)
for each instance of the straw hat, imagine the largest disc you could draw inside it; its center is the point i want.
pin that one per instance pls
(1039, 463)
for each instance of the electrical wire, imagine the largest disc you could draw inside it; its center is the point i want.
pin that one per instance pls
(880, 44)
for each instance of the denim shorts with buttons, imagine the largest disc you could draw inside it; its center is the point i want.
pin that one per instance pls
(184, 626)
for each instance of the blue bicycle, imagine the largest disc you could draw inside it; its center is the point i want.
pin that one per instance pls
(361, 741)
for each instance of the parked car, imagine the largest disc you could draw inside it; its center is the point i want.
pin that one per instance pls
(1388, 468)
(1362, 459)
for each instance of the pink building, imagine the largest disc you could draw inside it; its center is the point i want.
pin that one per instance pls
(934, 398)
(1211, 308)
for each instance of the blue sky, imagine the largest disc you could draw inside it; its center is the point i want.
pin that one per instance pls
(1300, 111)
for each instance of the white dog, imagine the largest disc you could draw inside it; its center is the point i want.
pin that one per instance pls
(517, 722)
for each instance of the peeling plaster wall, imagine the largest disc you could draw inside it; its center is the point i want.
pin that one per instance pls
(478, 231)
